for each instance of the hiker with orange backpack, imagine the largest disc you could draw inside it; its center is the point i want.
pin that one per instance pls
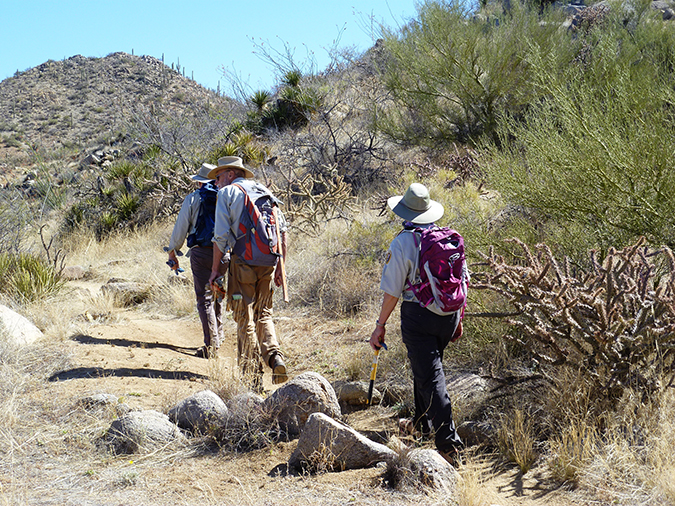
(425, 266)
(195, 224)
(251, 228)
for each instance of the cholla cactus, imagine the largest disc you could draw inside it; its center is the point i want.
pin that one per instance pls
(616, 323)
(313, 200)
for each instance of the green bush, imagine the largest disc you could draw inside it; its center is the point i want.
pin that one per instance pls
(599, 149)
(27, 277)
(453, 73)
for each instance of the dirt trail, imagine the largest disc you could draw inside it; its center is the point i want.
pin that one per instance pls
(150, 362)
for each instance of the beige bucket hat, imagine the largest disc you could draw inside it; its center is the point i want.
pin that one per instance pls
(416, 206)
(230, 162)
(203, 175)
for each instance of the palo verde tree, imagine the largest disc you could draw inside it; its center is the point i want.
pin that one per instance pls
(597, 149)
(453, 71)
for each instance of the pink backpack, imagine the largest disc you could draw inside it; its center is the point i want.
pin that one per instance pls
(444, 276)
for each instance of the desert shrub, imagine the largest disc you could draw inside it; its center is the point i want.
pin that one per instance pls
(15, 215)
(584, 152)
(613, 323)
(340, 273)
(121, 199)
(453, 73)
(27, 277)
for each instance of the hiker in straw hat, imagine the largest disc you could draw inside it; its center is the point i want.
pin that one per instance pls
(425, 331)
(192, 226)
(253, 270)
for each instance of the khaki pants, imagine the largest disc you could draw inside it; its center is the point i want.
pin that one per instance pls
(250, 290)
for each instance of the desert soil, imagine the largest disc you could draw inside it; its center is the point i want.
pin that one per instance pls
(150, 363)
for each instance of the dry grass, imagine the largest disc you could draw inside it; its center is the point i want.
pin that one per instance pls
(517, 439)
(47, 439)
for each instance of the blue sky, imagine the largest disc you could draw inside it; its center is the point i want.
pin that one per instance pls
(204, 35)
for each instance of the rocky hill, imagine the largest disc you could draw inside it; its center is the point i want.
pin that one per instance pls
(79, 102)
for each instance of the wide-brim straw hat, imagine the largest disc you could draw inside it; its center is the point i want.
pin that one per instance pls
(416, 206)
(231, 162)
(203, 175)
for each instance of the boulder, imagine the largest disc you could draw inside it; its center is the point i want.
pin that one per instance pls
(74, 272)
(200, 412)
(141, 431)
(326, 444)
(293, 403)
(245, 403)
(18, 330)
(101, 402)
(126, 293)
(432, 470)
(355, 393)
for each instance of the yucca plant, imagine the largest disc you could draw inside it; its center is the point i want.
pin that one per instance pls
(260, 99)
(28, 277)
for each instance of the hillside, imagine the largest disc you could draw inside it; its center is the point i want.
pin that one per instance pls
(80, 102)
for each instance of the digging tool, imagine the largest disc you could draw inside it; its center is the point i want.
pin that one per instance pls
(373, 373)
(282, 265)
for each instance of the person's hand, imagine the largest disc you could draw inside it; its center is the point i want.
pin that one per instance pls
(212, 278)
(278, 276)
(173, 261)
(377, 337)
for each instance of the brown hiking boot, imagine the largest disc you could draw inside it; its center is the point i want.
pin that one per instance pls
(278, 369)
(451, 456)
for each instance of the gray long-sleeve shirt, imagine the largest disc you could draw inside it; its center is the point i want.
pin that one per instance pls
(186, 221)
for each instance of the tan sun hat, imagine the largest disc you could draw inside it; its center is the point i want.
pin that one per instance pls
(230, 162)
(203, 175)
(416, 206)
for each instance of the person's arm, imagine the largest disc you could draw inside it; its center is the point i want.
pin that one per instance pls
(184, 221)
(215, 266)
(377, 337)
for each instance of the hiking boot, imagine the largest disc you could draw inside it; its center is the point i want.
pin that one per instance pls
(278, 369)
(206, 352)
(452, 456)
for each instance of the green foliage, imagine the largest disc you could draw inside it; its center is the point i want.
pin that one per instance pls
(260, 99)
(292, 108)
(27, 277)
(453, 74)
(292, 78)
(120, 200)
(598, 150)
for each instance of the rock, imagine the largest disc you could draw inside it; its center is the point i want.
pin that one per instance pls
(74, 272)
(355, 393)
(475, 433)
(200, 412)
(293, 403)
(326, 444)
(18, 330)
(432, 470)
(245, 403)
(92, 159)
(178, 279)
(126, 293)
(467, 386)
(95, 401)
(141, 431)
(104, 402)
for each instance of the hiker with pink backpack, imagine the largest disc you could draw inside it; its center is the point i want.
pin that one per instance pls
(425, 266)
